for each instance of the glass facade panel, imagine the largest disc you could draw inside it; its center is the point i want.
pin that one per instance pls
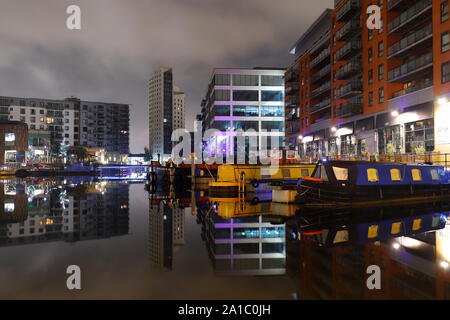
(246, 111)
(272, 81)
(272, 111)
(419, 136)
(245, 80)
(245, 95)
(272, 95)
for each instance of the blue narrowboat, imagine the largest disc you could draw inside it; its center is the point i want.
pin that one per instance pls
(376, 224)
(335, 183)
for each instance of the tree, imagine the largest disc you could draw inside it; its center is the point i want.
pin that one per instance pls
(147, 155)
(79, 152)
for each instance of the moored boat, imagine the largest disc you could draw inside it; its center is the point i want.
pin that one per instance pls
(342, 183)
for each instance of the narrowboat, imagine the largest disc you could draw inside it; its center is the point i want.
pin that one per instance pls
(349, 226)
(358, 183)
(233, 180)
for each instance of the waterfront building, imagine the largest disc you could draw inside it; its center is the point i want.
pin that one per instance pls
(13, 142)
(57, 124)
(247, 99)
(353, 91)
(166, 113)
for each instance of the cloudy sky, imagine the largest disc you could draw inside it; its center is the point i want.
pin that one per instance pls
(121, 42)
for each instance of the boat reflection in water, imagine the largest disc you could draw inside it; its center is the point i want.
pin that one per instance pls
(329, 252)
(36, 211)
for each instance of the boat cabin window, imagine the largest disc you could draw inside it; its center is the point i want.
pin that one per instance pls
(396, 175)
(373, 232)
(435, 175)
(416, 174)
(396, 228)
(436, 221)
(341, 174)
(417, 224)
(372, 175)
(321, 173)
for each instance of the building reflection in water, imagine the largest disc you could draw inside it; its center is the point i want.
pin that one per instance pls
(166, 230)
(329, 253)
(244, 238)
(44, 210)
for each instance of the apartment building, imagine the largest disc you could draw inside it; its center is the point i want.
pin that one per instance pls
(55, 125)
(247, 99)
(166, 113)
(353, 91)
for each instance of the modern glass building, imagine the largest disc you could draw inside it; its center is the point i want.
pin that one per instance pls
(247, 99)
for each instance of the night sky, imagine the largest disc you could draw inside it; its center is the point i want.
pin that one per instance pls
(121, 42)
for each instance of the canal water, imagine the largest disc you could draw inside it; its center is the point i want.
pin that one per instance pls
(133, 245)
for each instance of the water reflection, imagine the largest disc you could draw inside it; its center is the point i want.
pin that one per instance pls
(37, 211)
(166, 230)
(246, 248)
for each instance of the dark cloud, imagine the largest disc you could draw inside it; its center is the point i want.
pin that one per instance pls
(121, 42)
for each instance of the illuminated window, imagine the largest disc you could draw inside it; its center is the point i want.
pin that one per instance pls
(373, 232)
(372, 175)
(416, 174)
(435, 175)
(396, 228)
(417, 224)
(396, 175)
(10, 139)
(341, 173)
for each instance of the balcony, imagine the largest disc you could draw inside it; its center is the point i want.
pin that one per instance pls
(321, 74)
(321, 91)
(347, 10)
(397, 4)
(348, 30)
(325, 104)
(291, 101)
(323, 55)
(349, 110)
(351, 89)
(291, 76)
(417, 87)
(415, 41)
(348, 70)
(409, 70)
(348, 49)
(411, 17)
(292, 88)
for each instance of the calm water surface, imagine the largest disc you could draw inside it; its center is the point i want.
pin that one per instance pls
(130, 245)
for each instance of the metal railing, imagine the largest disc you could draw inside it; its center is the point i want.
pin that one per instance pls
(409, 14)
(322, 55)
(420, 86)
(410, 40)
(411, 66)
(435, 158)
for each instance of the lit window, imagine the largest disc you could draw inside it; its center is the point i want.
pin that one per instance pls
(396, 228)
(417, 224)
(10, 139)
(416, 174)
(373, 232)
(341, 173)
(372, 175)
(396, 175)
(435, 175)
